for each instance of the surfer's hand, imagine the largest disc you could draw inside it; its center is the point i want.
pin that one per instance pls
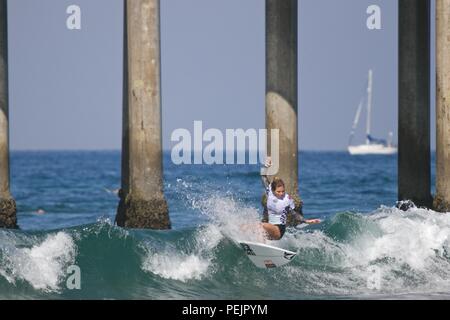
(268, 162)
(313, 221)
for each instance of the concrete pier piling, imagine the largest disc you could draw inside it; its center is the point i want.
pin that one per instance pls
(414, 172)
(8, 217)
(281, 85)
(142, 202)
(442, 199)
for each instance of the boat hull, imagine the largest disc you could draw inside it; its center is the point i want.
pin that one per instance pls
(367, 149)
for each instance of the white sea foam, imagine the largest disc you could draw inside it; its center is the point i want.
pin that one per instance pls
(235, 220)
(227, 218)
(42, 265)
(414, 238)
(388, 252)
(177, 265)
(408, 254)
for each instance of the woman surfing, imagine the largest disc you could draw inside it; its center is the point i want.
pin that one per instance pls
(277, 206)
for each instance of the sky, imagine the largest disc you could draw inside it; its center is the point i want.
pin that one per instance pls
(66, 85)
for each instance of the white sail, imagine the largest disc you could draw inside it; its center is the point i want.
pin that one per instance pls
(355, 122)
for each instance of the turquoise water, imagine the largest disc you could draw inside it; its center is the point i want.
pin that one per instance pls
(365, 248)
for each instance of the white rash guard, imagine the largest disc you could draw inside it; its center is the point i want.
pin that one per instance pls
(278, 208)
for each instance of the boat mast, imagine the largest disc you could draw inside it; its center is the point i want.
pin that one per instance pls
(369, 105)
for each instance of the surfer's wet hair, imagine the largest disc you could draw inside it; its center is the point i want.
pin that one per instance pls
(277, 182)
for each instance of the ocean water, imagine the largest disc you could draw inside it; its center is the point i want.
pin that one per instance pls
(364, 249)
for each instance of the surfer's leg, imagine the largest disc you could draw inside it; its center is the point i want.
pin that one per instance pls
(253, 231)
(272, 230)
(282, 229)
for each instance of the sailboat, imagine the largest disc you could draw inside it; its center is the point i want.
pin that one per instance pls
(372, 145)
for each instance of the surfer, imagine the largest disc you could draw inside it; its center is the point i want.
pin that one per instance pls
(277, 206)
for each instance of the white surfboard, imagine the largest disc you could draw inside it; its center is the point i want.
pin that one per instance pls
(265, 256)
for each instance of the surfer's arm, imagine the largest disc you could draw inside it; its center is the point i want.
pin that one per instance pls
(309, 221)
(300, 218)
(265, 181)
(313, 221)
(264, 178)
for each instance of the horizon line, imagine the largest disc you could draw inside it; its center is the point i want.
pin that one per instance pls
(164, 150)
